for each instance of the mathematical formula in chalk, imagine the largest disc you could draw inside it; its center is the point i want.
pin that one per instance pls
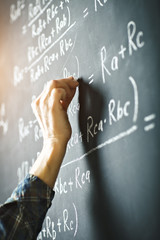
(62, 225)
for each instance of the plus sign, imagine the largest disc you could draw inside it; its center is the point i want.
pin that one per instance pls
(44, 24)
(61, 5)
(59, 225)
(122, 51)
(70, 183)
(53, 32)
(57, 56)
(44, 232)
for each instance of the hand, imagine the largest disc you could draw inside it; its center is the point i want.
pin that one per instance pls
(50, 109)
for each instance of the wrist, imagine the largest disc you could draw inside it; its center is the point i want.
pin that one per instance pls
(49, 161)
(55, 149)
(52, 142)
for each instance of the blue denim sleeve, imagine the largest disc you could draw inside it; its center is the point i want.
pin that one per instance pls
(22, 215)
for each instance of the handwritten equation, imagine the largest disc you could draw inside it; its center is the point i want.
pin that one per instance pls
(63, 224)
(51, 46)
(52, 41)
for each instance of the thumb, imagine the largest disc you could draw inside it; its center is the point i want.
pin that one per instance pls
(68, 99)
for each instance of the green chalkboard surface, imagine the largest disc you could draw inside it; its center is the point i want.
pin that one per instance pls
(108, 187)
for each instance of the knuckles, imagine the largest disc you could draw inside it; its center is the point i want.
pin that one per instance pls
(54, 94)
(58, 94)
(53, 84)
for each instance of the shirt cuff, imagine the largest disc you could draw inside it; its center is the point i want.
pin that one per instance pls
(32, 188)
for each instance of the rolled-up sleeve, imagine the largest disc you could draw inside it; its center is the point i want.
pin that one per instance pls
(22, 215)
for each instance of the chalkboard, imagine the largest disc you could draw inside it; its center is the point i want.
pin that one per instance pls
(109, 183)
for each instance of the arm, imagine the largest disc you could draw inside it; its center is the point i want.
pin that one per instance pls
(22, 215)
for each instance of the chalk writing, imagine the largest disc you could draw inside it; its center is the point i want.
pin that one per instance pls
(73, 109)
(107, 142)
(51, 46)
(3, 121)
(18, 75)
(91, 78)
(151, 125)
(37, 8)
(75, 182)
(85, 12)
(99, 3)
(75, 73)
(45, 42)
(24, 130)
(57, 39)
(62, 224)
(133, 45)
(94, 128)
(116, 112)
(136, 101)
(24, 169)
(16, 10)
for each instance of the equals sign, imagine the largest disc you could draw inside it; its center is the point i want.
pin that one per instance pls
(147, 119)
(91, 79)
(85, 12)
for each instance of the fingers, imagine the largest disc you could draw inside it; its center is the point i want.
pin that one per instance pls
(59, 84)
(65, 92)
(69, 85)
(51, 105)
(71, 82)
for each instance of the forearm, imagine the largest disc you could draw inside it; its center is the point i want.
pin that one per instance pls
(49, 161)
